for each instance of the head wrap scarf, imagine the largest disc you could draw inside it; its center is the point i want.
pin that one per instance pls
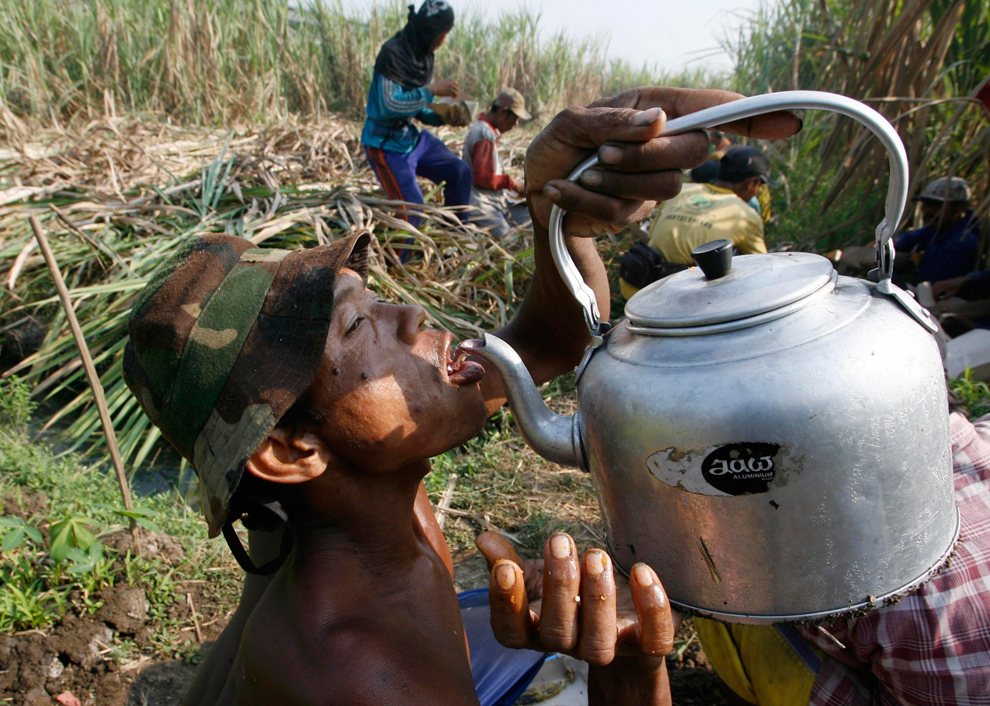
(406, 58)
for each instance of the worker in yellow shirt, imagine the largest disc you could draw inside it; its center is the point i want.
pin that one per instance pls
(705, 212)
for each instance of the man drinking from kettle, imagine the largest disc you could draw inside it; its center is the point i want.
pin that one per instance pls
(311, 408)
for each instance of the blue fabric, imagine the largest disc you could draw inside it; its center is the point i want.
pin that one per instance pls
(946, 255)
(500, 675)
(391, 109)
(800, 647)
(432, 159)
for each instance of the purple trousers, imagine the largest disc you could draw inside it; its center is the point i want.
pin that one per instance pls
(430, 158)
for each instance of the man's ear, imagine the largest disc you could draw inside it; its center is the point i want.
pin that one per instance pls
(289, 457)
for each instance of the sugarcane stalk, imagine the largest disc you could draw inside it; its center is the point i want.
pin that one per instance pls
(87, 360)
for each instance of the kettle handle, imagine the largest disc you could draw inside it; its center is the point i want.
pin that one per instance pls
(738, 110)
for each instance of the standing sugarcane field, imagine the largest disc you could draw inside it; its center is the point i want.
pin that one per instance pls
(689, 427)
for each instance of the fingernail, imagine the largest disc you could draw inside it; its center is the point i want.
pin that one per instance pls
(560, 546)
(610, 154)
(594, 563)
(592, 177)
(552, 192)
(646, 117)
(505, 576)
(642, 574)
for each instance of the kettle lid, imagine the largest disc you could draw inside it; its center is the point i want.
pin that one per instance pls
(753, 285)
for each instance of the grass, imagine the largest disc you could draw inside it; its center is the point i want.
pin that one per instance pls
(65, 557)
(974, 395)
(217, 61)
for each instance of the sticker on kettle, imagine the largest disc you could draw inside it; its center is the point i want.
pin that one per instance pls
(742, 468)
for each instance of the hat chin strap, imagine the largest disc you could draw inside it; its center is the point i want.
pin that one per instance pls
(273, 507)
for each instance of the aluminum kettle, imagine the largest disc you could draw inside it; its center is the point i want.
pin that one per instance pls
(770, 437)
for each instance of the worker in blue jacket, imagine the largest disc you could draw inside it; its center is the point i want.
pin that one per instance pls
(401, 90)
(949, 239)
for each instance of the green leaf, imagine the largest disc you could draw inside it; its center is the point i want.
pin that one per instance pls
(76, 554)
(34, 534)
(136, 512)
(61, 538)
(83, 537)
(69, 534)
(12, 540)
(149, 525)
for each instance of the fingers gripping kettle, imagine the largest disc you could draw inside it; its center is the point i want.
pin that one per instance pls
(772, 438)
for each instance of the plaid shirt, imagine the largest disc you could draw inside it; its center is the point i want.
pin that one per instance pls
(933, 647)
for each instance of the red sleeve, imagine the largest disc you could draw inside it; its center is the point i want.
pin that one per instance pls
(483, 166)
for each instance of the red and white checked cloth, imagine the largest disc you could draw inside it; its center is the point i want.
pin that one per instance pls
(933, 647)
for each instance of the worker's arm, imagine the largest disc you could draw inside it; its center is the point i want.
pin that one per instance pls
(978, 309)
(637, 169)
(399, 102)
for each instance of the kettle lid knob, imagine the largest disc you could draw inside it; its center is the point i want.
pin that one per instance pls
(714, 258)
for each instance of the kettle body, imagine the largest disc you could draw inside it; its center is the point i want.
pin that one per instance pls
(771, 438)
(785, 471)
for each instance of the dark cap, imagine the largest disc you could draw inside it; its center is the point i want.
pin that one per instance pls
(741, 163)
(954, 190)
(707, 173)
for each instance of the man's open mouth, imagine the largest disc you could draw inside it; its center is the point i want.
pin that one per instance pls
(460, 370)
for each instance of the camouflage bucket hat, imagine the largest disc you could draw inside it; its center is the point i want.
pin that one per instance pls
(223, 340)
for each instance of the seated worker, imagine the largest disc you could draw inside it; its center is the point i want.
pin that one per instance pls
(930, 647)
(401, 90)
(944, 248)
(491, 186)
(705, 212)
(284, 365)
(948, 239)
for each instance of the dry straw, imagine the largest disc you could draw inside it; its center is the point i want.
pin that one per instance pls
(114, 204)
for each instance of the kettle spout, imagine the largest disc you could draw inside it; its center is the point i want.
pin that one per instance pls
(555, 437)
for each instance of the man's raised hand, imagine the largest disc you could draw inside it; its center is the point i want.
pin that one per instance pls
(637, 168)
(575, 605)
(448, 87)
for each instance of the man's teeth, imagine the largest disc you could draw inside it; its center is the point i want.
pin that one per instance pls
(455, 364)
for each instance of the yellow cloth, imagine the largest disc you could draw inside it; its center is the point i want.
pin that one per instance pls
(765, 198)
(627, 289)
(702, 213)
(757, 663)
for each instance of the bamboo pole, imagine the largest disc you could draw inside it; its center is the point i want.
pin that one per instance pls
(87, 359)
